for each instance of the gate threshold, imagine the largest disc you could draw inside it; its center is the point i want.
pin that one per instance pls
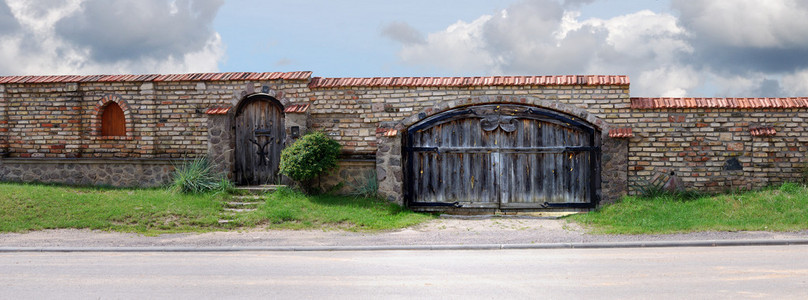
(514, 215)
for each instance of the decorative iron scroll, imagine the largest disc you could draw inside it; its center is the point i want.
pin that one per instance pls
(263, 154)
(492, 122)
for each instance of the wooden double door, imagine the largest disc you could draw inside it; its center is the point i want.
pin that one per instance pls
(259, 135)
(502, 156)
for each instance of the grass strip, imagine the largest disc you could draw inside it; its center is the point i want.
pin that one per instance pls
(26, 207)
(290, 209)
(776, 209)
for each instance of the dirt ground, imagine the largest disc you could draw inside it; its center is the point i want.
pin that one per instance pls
(442, 231)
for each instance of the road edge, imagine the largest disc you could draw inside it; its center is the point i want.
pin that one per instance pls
(605, 245)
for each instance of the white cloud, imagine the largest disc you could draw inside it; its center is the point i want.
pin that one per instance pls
(750, 47)
(796, 84)
(458, 48)
(539, 37)
(110, 45)
(747, 23)
(667, 81)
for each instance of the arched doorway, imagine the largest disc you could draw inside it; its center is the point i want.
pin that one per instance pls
(502, 156)
(260, 134)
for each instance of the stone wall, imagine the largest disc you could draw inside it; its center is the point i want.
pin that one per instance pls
(349, 176)
(113, 172)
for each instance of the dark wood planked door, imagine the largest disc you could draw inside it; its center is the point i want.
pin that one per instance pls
(260, 132)
(502, 156)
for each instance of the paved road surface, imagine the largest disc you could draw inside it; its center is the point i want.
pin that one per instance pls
(769, 272)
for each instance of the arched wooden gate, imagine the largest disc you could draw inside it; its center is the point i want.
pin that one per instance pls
(260, 133)
(502, 156)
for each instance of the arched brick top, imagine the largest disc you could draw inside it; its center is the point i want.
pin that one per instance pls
(99, 111)
(547, 104)
(249, 92)
(269, 96)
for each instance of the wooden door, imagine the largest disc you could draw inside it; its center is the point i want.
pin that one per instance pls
(260, 132)
(502, 156)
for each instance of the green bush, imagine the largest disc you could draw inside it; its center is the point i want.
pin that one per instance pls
(197, 176)
(309, 157)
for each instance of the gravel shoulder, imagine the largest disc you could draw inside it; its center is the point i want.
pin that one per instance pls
(443, 231)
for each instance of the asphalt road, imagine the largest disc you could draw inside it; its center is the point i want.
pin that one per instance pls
(770, 272)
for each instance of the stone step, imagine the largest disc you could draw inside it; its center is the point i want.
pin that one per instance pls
(238, 210)
(248, 198)
(259, 189)
(233, 204)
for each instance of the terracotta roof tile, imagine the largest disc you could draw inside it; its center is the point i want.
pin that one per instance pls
(157, 77)
(320, 82)
(218, 110)
(654, 103)
(762, 131)
(296, 108)
(621, 133)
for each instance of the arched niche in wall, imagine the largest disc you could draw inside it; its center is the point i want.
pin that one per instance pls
(113, 120)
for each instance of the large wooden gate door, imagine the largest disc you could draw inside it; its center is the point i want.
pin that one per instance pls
(260, 134)
(502, 156)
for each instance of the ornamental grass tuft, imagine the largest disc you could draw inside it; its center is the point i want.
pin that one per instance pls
(197, 176)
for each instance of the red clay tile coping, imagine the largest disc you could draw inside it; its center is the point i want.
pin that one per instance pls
(296, 108)
(305, 75)
(319, 82)
(218, 110)
(653, 103)
(762, 131)
(620, 133)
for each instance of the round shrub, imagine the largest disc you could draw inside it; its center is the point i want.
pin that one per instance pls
(309, 157)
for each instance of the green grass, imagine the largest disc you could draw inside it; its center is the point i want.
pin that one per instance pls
(777, 209)
(26, 207)
(289, 209)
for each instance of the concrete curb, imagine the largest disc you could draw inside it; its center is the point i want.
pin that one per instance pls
(656, 244)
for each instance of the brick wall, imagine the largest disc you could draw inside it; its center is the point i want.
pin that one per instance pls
(350, 114)
(164, 119)
(710, 144)
(705, 146)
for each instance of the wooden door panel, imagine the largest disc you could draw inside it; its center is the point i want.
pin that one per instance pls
(259, 140)
(507, 156)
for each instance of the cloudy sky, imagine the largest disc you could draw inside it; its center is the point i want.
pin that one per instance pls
(696, 48)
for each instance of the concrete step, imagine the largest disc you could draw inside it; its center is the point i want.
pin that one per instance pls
(259, 189)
